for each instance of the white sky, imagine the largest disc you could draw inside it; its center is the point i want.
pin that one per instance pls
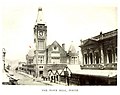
(66, 22)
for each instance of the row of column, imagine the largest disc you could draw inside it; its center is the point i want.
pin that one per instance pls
(97, 57)
(111, 56)
(90, 59)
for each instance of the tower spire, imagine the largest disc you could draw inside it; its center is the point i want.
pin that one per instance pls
(39, 19)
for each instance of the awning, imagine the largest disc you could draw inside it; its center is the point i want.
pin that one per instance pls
(102, 73)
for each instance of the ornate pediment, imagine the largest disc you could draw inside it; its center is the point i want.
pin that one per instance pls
(90, 42)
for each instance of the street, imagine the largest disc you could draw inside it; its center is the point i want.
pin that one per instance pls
(25, 80)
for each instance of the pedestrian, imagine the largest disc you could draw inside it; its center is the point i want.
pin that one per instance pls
(68, 81)
(51, 78)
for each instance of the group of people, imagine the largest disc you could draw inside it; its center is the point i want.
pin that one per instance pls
(54, 78)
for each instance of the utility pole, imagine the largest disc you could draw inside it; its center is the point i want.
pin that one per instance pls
(4, 52)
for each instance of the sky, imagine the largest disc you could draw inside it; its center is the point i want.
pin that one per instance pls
(66, 22)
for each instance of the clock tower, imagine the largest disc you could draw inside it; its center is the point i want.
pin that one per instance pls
(40, 37)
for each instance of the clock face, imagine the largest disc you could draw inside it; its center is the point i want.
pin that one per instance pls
(40, 33)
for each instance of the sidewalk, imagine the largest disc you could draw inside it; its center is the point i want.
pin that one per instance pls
(52, 83)
(40, 80)
(30, 76)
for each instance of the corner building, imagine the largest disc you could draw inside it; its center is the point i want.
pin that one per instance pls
(100, 52)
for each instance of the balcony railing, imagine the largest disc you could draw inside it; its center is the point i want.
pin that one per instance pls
(110, 66)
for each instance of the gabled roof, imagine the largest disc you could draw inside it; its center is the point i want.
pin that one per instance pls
(55, 43)
(90, 41)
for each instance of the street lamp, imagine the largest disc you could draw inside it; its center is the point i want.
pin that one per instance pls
(4, 52)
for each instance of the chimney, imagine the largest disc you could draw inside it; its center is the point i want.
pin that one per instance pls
(101, 35)
(63, 46)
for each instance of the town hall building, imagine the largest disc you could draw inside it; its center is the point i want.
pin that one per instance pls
(44, 58)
